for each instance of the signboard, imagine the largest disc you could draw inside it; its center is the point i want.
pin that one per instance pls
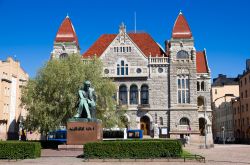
(164, 131)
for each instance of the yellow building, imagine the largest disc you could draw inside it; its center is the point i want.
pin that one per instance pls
(224, 89)
(13, 78)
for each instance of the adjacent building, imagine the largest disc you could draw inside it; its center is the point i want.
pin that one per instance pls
(224, 89)
(13, 78)
(241, 107)
(166, 92)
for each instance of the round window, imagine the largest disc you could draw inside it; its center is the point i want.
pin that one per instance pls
(160, 70)
(138, 70)
(106, 71)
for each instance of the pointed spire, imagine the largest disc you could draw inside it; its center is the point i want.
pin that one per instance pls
(181, 28)
(67, 15)
(66, 32)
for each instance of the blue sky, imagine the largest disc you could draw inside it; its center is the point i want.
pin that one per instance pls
(28, 27)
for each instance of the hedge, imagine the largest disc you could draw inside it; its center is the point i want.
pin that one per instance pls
(133, 149)
(19, 150)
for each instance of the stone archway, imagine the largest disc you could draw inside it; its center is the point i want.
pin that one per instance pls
(145, 125)
(202, 123)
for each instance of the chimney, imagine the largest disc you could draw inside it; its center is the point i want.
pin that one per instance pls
(247, 64)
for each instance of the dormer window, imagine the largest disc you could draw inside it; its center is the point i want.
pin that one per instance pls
(182, 54)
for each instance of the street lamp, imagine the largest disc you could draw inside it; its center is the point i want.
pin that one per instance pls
(223, 134)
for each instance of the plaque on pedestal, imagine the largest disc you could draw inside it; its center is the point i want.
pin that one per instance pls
(83, 130)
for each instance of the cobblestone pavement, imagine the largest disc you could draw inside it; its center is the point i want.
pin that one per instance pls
(220, 155)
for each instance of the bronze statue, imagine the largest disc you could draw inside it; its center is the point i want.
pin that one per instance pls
(87, 102)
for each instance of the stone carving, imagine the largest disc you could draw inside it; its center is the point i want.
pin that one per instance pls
(182, 71)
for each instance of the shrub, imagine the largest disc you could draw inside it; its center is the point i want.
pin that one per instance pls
(133, 149)
(19, 150)
(113, 134)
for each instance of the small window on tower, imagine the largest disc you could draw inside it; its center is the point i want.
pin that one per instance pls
(182, 54)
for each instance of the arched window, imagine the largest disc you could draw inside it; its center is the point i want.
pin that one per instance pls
(183, 89)
(200, 101)
(122, 68)
(184, 121)
(202, 86)
(161, 120)
(63, 55)
(144, 94)
(182, 54)
(118, 69)
(126, 69)
(198, 86)
(123, 94)
(133, 94)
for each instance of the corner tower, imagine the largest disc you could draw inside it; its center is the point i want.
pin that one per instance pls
(66, 41)
(183, 78)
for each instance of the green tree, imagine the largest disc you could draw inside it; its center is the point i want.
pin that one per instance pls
(50, 98)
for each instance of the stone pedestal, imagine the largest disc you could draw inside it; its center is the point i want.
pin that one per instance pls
(82, 130)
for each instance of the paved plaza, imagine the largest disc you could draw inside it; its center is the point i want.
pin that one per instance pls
(220, 154)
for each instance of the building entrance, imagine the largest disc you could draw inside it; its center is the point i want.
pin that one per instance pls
(145, 125)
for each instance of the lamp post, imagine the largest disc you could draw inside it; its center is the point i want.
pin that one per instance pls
(223, 134)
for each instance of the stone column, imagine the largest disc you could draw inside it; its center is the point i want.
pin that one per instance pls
(139, 96)
(128, 98)
(117, 97)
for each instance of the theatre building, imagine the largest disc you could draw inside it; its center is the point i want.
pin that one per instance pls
(166, 91)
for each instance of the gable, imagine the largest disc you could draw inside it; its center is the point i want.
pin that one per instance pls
(143, 41)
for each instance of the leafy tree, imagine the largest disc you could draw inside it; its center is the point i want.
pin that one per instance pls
(50, 98)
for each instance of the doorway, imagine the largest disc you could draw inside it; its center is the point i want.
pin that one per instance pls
(145, 125)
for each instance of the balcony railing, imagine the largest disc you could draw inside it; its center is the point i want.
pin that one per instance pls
(158, 60)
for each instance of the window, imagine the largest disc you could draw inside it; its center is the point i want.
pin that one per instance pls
(133, 94)
(122, 49)
(183, 90)
(161, 120)
(106, 71)
(245, 80)
(216, 91)
(144, 94)
(242, 108)
(118, 69)
(182, 54)
(123, 94)
(160, 70)
(63, 55)
(202, 86)
(198, 86)
(138, 70)
(122, 69)
(184, 121)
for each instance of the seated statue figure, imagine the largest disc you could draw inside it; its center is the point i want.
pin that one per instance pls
(87, 102)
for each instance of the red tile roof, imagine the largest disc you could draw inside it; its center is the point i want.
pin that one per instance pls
(201, 62)
(147, 44)
(181, 28)
(143, 40)
(66, 32)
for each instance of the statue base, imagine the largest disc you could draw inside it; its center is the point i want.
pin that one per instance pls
(83, 130)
